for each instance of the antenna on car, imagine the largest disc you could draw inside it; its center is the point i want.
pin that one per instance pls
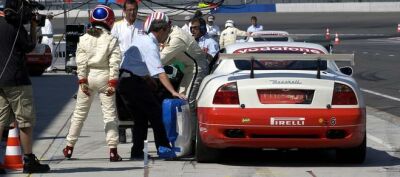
(252, 67)
(319, 68)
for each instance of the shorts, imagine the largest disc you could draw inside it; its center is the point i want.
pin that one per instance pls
(16, 103)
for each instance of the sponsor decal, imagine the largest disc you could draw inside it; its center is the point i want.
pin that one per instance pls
(246, 120)
(287, 121)
(285, 82)
(333, 121)
(283, 49)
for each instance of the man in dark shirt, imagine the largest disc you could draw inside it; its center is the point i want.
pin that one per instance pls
(16, 98)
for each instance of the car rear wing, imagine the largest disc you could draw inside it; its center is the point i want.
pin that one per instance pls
(282, 57)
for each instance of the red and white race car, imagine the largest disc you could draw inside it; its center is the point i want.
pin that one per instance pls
(281, 95)
(39, 59)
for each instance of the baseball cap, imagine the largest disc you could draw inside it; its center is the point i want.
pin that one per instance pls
(210, 18)
(187, 18)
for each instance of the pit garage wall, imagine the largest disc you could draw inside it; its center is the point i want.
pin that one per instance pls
(312, 7)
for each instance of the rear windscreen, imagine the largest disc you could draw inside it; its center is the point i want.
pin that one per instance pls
(280, 65)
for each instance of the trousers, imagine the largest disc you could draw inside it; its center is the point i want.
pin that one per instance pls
(98, 83)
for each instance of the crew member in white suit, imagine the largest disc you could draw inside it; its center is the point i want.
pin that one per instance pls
(228, 36)
(182, 47)
(98, 58)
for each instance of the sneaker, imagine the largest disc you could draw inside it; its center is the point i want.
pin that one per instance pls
(32, 165)
(114, 157)
(49, 69)
(67, 151)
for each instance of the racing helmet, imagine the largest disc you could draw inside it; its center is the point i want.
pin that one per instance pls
(104, 15)
(152, 17)
(229, 23)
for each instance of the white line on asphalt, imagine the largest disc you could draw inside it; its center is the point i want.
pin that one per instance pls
(381, 94)
(379, 141)
(391, 55)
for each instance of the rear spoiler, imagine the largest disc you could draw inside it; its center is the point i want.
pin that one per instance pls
(304, 57)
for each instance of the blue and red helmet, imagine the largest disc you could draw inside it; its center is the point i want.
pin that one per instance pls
(102, 14)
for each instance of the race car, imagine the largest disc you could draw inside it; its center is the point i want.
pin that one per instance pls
(281, 95)
(39, 59)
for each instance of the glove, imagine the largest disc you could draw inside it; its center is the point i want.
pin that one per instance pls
(83, 84)
(112, 84)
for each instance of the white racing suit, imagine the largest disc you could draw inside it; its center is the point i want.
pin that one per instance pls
(178, 43)
(228, 36)
(98, 60)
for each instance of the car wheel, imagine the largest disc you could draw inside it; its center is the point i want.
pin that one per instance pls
(205, 154)
(353, 155)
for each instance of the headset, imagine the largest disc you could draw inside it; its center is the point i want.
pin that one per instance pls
(203, 25)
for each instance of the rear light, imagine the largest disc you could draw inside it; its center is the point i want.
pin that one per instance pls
(343, 95)
(285, 96)
(227, 94)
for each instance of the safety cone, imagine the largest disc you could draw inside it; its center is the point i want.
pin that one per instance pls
(13, 157)
(337, 41)
(327, 34)
(398, 28)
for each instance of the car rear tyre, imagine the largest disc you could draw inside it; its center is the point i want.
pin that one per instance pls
(353, 155)
(205, 154)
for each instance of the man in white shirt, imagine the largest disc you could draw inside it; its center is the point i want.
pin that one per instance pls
(125, 31)
(142, 63)
(212, 29)
(186, 26)
(47, 33)
(205, 41)
(254, 26)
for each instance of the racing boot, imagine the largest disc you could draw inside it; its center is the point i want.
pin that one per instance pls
(32, 165)
(67, 151)
(114, 157)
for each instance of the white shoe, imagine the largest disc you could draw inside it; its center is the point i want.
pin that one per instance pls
(50, 69)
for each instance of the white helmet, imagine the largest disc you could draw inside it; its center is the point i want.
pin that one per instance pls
(229, 23)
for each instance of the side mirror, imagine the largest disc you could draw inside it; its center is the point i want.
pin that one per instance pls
(347, 70)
